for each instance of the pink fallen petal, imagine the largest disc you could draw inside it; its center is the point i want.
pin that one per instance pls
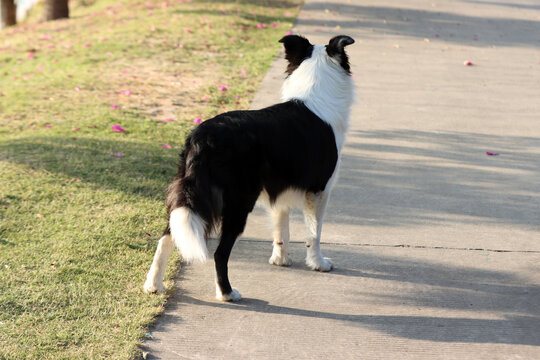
(118, 128)
(77, 88)
(30, 55)
(287, 14)
(166, 146)
(187, 31)
(118, 155)
(87, 45)
(259, 26)
(75, 129)
(491, 153)
(197, 121)
(231, 39)
(114, 106)
(147, 234)
(223, 88)
(48, 127)
(127, 92)
(244, 72)
(273, 25)
(468, 63)
(288, 33)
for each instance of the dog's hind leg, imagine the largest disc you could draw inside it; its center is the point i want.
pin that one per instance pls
(280, 252)
(232, 226)
(154, 279)
(313, 216)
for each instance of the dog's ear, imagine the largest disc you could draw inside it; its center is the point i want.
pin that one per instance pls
(336, 49)
(297, 49)
(338, 43)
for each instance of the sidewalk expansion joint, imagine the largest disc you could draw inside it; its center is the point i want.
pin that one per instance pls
(410, 247)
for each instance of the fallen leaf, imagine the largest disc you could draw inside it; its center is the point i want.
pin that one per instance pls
(136, 246)
(118, 128)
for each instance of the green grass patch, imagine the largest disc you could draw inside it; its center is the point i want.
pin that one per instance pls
(81, 206)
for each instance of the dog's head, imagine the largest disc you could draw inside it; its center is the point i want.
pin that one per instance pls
(320, 77)
(298, 49)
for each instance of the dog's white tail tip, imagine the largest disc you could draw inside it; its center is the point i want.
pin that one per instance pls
(187, 231)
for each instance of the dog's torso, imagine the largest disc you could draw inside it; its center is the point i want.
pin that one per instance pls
(283, 149)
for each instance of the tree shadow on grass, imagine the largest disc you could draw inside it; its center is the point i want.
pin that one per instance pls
(143, 169)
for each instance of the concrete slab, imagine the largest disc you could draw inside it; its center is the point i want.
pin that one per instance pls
(378, 303)
(417, 194)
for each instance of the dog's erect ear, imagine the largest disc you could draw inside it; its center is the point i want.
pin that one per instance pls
(338, 43)
(336, 49)
(297, 49)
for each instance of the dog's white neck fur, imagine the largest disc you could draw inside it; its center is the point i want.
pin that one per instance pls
(325, 88)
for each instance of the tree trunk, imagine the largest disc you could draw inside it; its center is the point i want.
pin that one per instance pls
(9, 12)
(56, 9)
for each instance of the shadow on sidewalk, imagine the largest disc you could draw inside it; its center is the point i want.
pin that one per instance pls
(407, 177)
(497, 306)
(449, 27)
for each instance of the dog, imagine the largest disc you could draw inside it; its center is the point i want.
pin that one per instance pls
(283, 156)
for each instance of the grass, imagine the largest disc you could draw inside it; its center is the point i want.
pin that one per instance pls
(79, 225)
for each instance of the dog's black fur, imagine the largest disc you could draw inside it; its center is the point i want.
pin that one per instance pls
(228, 160)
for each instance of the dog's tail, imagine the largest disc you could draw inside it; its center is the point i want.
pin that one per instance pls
(193, 203)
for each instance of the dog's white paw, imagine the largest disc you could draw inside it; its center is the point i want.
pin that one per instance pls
(320, 264)
(275, 259)
(234, 295)
(154, 287)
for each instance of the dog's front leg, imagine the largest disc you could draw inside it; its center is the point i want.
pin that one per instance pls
(313, 216)
(280, 252)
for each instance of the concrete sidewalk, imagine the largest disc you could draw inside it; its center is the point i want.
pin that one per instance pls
(436, 244)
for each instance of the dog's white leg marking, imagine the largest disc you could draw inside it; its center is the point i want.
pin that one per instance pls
(313, 216)
(280, 252)
(233, 296)
(154, 279)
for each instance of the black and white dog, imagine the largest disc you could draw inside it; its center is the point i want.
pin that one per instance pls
(283, 156)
